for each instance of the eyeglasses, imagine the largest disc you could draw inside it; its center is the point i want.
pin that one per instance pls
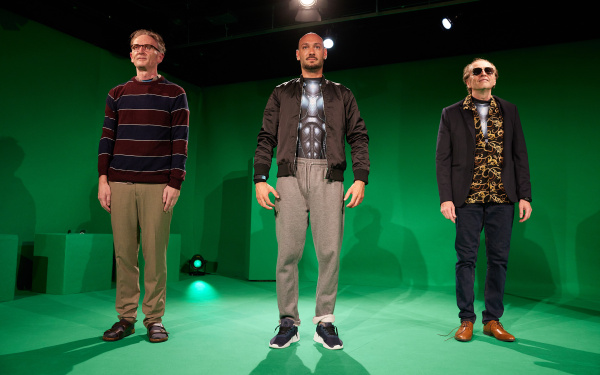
(147, 47)
(477, 71)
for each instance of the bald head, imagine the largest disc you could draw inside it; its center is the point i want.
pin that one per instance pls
(310, 37)
(311, 53)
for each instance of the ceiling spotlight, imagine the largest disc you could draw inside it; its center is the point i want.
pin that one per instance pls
(308, 10)
(447, 23)
(328, 43)
(197, 265)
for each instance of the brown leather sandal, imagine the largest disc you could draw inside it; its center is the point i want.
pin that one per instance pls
(157, 333)
(120, 329)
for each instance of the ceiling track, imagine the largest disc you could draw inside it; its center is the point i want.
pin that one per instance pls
(326, 22)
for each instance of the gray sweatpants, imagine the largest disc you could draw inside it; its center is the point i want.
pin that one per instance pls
(308, 193)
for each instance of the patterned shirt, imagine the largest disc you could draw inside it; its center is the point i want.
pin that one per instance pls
(145, 133)
(487, 181)
(311, 129)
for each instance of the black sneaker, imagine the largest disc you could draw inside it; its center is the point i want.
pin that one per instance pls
(288, 333)
(328, 336)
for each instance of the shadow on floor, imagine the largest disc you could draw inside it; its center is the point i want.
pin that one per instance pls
(285, 361)
(62, 358)
(570, 361)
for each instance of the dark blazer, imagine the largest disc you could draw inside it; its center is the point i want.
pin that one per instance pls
(455, 154)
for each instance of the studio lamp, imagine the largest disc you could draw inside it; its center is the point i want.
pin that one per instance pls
(449, 22)
(197, 265)
(308, 10)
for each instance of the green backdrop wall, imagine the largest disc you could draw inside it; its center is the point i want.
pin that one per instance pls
(52, 98)
(52, 104)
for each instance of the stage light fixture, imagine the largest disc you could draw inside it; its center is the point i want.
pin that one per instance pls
(447, 23)
(328, 43)
(197, 265)
(308, 10)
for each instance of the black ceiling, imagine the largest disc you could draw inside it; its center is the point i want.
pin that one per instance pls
(219, 42)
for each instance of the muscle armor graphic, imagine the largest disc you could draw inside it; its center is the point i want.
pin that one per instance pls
(311, 128)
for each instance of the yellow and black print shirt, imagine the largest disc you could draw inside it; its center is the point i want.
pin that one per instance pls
(487, 182)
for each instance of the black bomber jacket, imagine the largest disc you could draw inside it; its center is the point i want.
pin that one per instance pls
(342, 123)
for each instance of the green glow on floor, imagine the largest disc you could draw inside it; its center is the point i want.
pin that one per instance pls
(200, 290)
(225, 325)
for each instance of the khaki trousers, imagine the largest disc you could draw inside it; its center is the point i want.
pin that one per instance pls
(308, 192)
(134, 208)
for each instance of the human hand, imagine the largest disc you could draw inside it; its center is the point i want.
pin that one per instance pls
(524, 210)
(448, 210)
(357, 191)
(169, 197)
(262, 194)
(104, 193)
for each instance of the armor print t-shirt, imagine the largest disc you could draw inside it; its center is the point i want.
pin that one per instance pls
(311, 127)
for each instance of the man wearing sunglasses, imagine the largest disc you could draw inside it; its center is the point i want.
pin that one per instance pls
(482, 172)
(141, 164)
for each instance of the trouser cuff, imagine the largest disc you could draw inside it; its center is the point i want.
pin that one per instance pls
(329, 318)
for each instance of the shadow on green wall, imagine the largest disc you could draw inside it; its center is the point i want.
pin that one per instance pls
(227, 216)
(530, 266)
(99, 221)
(368, 263)
(18, 206)
(587, 255)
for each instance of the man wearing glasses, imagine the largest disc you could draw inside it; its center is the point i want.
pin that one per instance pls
(141, 164)
(482, 171)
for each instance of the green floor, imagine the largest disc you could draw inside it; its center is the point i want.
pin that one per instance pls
(220, 325)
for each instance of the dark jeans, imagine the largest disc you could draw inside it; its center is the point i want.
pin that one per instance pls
(497, 220)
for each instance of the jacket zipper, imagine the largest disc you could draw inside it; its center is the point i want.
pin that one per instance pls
(325, 138)
(298, 126)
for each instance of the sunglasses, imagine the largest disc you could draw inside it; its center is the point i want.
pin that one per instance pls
(477, 71)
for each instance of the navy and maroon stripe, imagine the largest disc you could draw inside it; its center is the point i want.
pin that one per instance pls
(145, 133)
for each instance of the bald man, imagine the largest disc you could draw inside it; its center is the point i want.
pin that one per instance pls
(307, 119)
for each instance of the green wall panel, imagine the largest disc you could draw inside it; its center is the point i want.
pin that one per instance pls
(52, 120)
(53, 104)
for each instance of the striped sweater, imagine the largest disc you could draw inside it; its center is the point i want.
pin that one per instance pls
(145, 133)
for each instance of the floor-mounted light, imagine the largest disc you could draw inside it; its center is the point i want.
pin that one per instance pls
(197, 265)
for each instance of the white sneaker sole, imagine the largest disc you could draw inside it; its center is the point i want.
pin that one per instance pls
(294, 338)
(318, 339)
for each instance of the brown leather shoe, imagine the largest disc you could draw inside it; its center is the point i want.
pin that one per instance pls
(494, 328)
(465, 331)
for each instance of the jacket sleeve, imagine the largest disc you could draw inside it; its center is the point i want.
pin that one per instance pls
(443, 159)
(358, 139)
(267, 139)
(521, 160)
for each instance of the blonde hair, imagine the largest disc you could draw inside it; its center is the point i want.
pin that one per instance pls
(469, 69)
(159, 40)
